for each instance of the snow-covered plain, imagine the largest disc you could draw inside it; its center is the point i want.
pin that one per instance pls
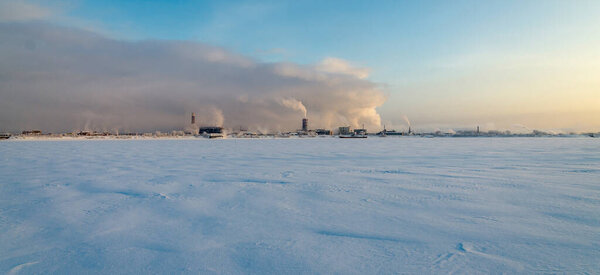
(376, 205)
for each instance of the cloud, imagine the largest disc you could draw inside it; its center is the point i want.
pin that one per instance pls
(22, 11)
(340, 66)
(272, 51)
(60, 79)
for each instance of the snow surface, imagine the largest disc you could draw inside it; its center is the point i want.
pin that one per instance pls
(376, 205)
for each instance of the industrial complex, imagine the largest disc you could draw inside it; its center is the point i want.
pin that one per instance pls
(217, 132)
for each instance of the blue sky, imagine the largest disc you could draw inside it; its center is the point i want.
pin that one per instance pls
(423, 53)
(378, 34)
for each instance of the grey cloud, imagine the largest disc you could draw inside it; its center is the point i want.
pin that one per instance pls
(22, 11)
(61, 79)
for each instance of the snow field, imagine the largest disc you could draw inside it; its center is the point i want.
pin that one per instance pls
(376, 205)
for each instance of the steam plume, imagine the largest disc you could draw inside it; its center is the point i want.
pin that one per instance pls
(293, 104)
(406, 119)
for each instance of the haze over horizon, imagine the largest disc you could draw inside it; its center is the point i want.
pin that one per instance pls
(131, 66)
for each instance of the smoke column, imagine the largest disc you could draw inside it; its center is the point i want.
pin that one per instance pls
(406, 119)
(294, 104)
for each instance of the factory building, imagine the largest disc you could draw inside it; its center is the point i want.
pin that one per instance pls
(360, 131)
(390, 133)
(32, 132)
(344, 130)
(211, 130)
(323, 132)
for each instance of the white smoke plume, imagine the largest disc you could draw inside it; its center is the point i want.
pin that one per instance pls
(406, 120)
(62, 79)
(210, 116)
(293, 104)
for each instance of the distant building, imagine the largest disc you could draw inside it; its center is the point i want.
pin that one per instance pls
(360, 131)
(323, 132)
(344, 130)
(210, 130)
(391, 133)
(32, 132)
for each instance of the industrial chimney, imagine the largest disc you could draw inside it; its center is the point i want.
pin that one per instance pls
(193, 118)
(305, 124)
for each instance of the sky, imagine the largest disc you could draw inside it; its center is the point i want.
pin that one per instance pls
(441, 65)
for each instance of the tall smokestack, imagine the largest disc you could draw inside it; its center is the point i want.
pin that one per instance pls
(193, 118)
(305, 124)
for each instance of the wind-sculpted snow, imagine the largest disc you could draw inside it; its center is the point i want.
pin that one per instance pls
(378, 205)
